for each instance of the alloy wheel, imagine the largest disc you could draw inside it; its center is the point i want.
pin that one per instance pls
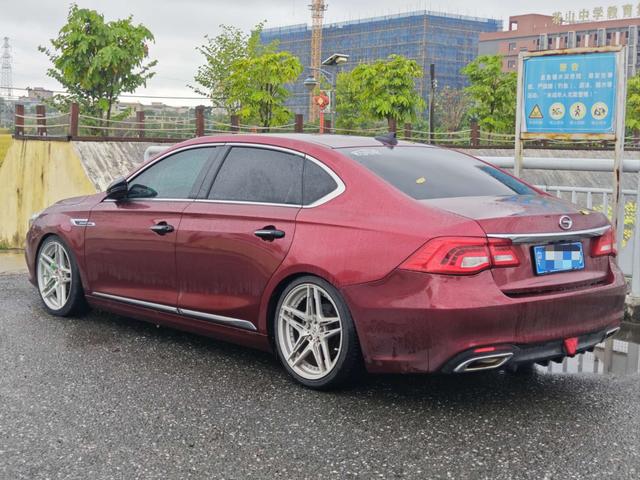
(54, 275)
(310, 331)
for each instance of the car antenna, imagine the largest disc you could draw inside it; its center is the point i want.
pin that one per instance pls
(388, 139)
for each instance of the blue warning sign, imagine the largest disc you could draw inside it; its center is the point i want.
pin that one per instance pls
(570, 93)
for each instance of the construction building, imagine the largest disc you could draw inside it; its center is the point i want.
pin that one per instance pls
(534, 32)
(448, 41)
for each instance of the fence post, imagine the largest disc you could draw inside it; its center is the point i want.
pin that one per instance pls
(200, 121)
(235, 123)
(74, 116)
(475, 133)
(327, 125)
(393, 127)
(408, 130)
(299, 126)
(42, 120)
(140, 123)
(19, 120)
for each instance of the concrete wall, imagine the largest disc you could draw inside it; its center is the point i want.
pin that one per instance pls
(36, 174)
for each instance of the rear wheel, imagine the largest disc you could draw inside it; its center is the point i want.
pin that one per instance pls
(58, 278)
(314, 334)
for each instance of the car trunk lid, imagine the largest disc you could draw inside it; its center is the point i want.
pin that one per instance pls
(529, 221)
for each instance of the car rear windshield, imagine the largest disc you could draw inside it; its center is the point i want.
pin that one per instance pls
(425, 173)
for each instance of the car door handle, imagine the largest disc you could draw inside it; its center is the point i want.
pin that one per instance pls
(269, 233)
(162, 228)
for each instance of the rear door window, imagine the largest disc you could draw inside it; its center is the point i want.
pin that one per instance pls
(259, 175)
(426, 173)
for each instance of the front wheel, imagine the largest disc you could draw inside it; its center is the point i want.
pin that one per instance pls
(314, 334)
(59, 279)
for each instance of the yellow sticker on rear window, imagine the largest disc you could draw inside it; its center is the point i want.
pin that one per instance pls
(420, 180)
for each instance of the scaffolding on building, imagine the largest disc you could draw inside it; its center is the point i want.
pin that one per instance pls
(447, 40)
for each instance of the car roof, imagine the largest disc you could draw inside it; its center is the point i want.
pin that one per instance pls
(325, 140)
(335, 141)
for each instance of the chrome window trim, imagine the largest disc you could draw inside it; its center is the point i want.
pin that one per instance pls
(210, 317)
(128, 200)
(533, 237)
(245, 202)
(339, 190)
(164, 155)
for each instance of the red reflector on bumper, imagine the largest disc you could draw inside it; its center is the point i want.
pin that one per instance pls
(484, 349)
(571, 345)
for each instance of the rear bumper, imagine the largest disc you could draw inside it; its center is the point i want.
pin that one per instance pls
(512, 356)
(416, 322)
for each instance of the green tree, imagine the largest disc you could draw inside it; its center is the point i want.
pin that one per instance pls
(492, 93)
(386, 89)
(95, 61)
(258, 85)
(350, 116)
(633, 104)
(220, 53)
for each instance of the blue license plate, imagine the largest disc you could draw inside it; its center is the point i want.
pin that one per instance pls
(558, 257)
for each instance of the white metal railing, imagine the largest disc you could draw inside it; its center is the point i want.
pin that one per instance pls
(600, 199)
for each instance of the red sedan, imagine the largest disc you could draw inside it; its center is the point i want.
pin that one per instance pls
(337, 252)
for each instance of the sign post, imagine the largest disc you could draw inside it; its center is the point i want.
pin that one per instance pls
(574, 94)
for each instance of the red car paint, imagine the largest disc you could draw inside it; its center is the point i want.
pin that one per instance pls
(406, 321)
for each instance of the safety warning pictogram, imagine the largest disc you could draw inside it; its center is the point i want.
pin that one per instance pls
(536, 112)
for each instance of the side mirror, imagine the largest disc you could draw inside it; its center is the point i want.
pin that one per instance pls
(118, 189)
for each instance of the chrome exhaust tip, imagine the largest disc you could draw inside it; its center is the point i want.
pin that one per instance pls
(612, 332)
(483, 362)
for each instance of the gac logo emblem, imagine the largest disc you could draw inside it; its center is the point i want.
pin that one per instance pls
(565, 222)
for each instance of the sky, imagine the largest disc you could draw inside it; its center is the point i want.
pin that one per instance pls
(180, 25)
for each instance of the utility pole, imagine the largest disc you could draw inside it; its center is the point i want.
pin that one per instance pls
(432, 90)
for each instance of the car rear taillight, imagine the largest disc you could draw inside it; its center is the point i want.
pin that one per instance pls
(461, 255)
(605, 244)
(503, 253)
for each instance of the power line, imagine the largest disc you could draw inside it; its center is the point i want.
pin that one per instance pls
(125, 95)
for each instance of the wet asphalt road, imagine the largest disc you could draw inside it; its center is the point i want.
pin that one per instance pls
(108, 397)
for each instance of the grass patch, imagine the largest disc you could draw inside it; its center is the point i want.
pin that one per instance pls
(5, 141)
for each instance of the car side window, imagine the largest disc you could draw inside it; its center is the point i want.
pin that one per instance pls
(171, 177)
(316, 183)
(259, 175)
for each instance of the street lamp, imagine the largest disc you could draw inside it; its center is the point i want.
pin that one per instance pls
(336, 59)
(311, 82)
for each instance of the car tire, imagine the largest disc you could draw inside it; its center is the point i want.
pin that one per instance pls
(56, 268)
(319, 350)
